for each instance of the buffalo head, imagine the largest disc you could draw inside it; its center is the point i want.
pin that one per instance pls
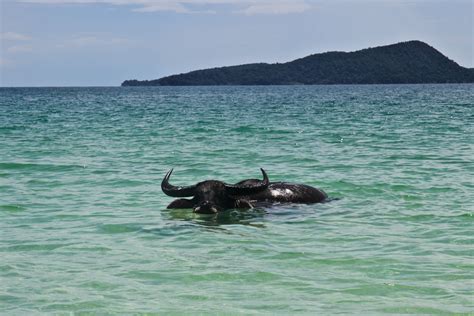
(212, 196)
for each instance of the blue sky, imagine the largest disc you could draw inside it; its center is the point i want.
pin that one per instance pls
(103, 42)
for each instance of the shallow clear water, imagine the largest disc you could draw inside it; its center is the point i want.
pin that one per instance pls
(84, 225)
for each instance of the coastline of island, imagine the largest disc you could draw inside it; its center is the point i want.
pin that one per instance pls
(400, 63)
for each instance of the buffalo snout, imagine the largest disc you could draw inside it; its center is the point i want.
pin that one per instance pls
(206, 207)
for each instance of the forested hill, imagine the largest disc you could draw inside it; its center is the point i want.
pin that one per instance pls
(406, 62)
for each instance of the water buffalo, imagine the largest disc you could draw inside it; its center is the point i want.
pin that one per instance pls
(214, 196)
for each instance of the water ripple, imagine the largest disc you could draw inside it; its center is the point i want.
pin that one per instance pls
(84, 226)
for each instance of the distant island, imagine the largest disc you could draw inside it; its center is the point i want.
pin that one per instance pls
(406, 62)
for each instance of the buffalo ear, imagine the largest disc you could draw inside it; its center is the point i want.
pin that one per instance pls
(243, 204)
(181, 203)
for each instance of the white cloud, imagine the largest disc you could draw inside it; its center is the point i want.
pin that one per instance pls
(20, 49)
(12, 36)
(249, 7)
(277, 8)
(88, 41)
(13, 41)
(4, 63)
(163, 6)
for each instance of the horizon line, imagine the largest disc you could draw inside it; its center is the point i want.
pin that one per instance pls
(244, 85)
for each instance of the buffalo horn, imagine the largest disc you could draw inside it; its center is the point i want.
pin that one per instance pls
(175, 191)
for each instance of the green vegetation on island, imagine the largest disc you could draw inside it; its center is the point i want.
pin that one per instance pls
(406, 62)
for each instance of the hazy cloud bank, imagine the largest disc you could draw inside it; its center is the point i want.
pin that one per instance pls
(248, 7)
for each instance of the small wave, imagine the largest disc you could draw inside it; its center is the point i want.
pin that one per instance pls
(12, 208)
(125, 183)
(430, 217)
(245, 129)
(12, 128)
(35, 247)
(205, 129)
(251, 129)
(37, 167)
(118, 228)
(425, 310)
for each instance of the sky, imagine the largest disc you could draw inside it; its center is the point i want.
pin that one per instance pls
(104, 42)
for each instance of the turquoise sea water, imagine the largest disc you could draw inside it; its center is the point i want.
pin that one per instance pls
(84, 225)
